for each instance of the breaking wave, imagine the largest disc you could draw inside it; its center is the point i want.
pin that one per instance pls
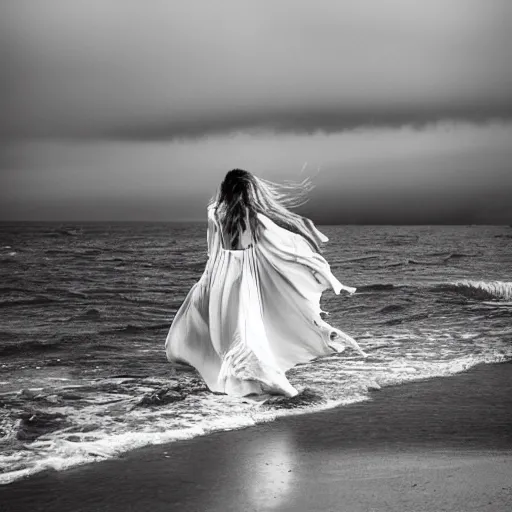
(480, 290)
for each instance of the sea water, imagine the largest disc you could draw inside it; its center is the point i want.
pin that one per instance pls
(85, 310)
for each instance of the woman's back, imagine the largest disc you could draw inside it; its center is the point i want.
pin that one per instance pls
(244, 240)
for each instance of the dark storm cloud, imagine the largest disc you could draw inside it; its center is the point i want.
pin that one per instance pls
(265, 85)
(162, 70)
(304, 120)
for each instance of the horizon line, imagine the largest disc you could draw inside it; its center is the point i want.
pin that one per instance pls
(204, 221)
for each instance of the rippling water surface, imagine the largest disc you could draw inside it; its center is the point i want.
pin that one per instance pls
(85, 311)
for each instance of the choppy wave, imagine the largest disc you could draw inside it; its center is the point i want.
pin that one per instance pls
(495, 293)
(28, 347)
(26, 302)
(417, 316)
(377, 287)
(391, 308)
(458, 255)
(429, 259)
(91, 314)
(130, 328)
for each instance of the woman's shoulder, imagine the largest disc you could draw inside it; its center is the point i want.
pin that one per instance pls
(210, 211)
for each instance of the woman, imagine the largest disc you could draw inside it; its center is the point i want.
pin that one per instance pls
(255, 312)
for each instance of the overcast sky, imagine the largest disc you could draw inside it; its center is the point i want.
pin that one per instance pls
(129, 109)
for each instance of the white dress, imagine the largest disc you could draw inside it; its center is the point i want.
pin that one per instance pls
(255, 312)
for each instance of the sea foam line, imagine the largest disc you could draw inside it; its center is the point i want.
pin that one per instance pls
(60, 454)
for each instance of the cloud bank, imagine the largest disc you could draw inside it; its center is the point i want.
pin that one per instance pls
(128, 70)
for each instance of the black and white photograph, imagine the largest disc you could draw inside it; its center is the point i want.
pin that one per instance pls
(255, 256)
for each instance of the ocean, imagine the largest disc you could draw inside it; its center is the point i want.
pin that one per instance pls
(85, 310)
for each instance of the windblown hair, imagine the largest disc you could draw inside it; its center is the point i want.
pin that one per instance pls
(242, 194)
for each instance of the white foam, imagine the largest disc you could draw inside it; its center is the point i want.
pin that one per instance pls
(341, 380)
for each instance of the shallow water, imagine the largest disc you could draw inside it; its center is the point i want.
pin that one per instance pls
(86, 308)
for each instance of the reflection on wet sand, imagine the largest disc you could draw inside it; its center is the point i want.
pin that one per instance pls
(269, 473)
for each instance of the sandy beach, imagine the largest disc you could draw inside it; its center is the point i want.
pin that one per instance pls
(440, 444)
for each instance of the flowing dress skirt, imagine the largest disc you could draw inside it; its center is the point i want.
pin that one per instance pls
(255, 313)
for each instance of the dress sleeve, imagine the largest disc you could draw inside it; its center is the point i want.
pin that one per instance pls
(281, 243)
(318, 235)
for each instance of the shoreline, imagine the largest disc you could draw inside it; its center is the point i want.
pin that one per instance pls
(434, 444)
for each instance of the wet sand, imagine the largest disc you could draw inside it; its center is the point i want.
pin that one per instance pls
(434, 445)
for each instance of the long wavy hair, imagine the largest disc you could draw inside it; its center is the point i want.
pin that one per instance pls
(242, 195)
